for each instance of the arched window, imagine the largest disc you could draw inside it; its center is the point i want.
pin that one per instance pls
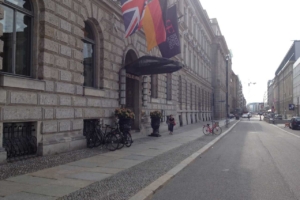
(154, 85)
(89, 56)
(17, 36)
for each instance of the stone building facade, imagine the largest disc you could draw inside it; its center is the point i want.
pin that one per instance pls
(67, 66)
(221, 59)
(233, 84)
(281, 88)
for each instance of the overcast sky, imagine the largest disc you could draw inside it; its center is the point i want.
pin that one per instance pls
(259, 33)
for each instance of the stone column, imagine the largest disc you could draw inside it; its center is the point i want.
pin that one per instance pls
(1, 33)
(2, 150)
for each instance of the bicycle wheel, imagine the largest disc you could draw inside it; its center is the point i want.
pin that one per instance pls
(121, 140)
(128, 140)
(33, 144)
(90, 140)
(217, 130)
(111, 142)
(97, 139)
(205, 130)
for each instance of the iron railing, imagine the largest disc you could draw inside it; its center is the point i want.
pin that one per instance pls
(19, 139)
(90, 125)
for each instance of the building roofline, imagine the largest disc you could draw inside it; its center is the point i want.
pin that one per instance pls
(289, 56)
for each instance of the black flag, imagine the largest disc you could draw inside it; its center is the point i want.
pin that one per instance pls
(171, 46)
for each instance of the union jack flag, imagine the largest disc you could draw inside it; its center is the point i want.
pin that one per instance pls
(132, 13)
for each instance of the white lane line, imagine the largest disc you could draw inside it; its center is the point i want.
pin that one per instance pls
(287, 131)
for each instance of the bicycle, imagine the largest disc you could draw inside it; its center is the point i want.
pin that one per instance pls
(123, 135)
(95, 136)
(216, 129)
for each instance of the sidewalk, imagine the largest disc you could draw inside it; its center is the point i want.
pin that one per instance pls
(62, 180)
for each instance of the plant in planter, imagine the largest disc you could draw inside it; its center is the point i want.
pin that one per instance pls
(125, 117)
(155, 122)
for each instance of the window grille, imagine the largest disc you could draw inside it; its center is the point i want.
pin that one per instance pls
(19, 139)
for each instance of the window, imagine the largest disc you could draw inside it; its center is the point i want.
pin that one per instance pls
(169, 87)
(180, 92)
(191, 96)
(17, 36)
(154, 86)
(88, 56)
(190, 59)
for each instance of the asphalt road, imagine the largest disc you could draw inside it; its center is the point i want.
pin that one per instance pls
(255, 161)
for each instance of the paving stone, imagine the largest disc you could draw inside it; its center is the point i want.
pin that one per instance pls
(27, 196)
(72, 182)
(100, 159)
(122, 163)
(57, 172)
(8, 187)
(105, 170)
(81, 163)
(52, 190)
(31, 180)
(150, 152)
(138, 157)
(91, 176)
(116, 154)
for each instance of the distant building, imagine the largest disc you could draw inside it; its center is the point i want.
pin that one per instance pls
(296, 84)
(282, 88)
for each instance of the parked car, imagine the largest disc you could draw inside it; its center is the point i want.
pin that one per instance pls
(295, 123)
(231, 116)
(277, 116)
(245, 115)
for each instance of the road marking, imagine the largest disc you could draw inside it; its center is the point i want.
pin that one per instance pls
(287, 131)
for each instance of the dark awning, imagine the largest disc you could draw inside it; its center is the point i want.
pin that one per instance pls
(147, 65)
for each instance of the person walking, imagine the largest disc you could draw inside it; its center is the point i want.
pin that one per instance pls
(248, 116)
(171, 124)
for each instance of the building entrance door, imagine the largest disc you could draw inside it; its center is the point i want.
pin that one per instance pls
(132, 93)
(133, 102)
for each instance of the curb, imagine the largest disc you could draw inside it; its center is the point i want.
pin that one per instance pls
(147, 192)
(286, 131)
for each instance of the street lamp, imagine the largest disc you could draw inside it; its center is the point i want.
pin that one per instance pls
(228, 56)
(251, 83)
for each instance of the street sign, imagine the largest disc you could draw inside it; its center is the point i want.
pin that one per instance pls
(291, 106)
(261, 105)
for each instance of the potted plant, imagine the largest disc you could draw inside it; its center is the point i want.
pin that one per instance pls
(155, 122)
(125, 117)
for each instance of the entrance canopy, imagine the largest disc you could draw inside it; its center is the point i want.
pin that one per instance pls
(147, 65)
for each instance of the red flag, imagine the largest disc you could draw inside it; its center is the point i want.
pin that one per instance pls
(153, 23)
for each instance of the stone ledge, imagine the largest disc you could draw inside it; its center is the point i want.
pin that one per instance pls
(93, 92)
(154, 100)
(21, 82)
(170, 102)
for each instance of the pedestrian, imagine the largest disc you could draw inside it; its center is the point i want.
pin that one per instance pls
(248, 116)
(171, 124)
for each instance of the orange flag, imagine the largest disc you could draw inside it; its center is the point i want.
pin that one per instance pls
(153, 23)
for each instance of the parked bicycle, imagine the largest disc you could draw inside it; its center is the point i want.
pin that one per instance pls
(95, 136)
(123, 135)
(216, 129)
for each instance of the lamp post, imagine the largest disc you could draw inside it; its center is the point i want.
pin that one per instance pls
(226, 104)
